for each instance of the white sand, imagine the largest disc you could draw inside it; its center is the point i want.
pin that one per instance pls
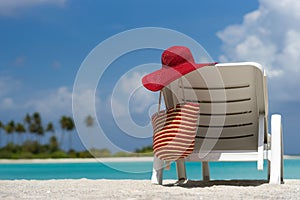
(142, 189)
(88, 160)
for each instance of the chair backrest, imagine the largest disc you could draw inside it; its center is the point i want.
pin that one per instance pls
(231, 97)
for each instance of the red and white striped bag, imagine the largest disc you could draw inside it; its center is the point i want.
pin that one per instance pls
(174, 131)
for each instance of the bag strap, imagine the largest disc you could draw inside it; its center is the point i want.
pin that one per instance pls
(182, 90)
(160, 95)
(159, 101)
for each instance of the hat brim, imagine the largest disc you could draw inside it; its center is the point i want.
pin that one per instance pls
(164, 76)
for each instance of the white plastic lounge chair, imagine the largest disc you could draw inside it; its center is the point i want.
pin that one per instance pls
(233, 121)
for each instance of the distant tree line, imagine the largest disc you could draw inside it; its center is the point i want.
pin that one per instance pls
(24, 139)
(33, 129)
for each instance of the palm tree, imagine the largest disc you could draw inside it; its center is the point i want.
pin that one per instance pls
(50, 128)
(27, 119)
(63, 124)
(20, 129)
(52, 141)
(53, 144)
(89, 122)
(39, 129)
(37, 118)
(9, 129)
(67, 124)
(1, 137)
(28, 124)
(70, 128)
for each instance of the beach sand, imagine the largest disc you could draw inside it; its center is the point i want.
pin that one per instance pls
(143, 189)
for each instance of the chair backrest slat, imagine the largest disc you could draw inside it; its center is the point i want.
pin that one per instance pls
(231, 97)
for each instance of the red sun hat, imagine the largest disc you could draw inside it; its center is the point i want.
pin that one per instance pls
(176, 62)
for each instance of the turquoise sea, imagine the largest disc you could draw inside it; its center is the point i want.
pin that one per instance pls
(139, 170)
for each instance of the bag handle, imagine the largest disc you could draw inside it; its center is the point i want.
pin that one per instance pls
(160, 95)
(182, 89)
(159, 101)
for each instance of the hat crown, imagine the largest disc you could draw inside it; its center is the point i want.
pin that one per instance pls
(176, 55)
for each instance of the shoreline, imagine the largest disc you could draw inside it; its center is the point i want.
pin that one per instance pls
(76, 160)
(93, 160)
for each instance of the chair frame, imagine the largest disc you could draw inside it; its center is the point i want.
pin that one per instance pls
(269, 146)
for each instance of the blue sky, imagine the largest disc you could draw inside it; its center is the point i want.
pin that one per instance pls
(43, 44)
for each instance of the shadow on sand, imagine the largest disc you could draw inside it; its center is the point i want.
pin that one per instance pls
(193, 184)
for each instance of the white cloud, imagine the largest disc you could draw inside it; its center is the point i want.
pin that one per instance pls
(11, 7)
(139, 96)
(86, 103)
(130, 96)
(8, 85)
(57, 102)
(19, 61)
(56, 64)
(269, 35)
(51, 104)
(131, 100)
(6, 103)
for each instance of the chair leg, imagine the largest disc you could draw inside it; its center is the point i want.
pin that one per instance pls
(181, 171)
(276, 150)
(282, 161)
(157, 173)
(269, 167)
(205, 171)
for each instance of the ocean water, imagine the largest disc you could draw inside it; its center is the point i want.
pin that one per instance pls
(140, 170)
